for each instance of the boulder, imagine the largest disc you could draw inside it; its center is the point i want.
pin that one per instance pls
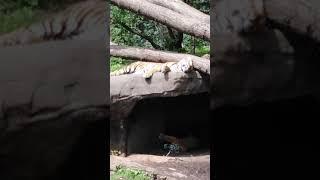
(256, 58)
(126, 90)
(54, 105)
(129, 90)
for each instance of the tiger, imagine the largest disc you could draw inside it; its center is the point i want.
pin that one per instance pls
(147, 69)
(184, 144)
(206, 56)
(81, 20)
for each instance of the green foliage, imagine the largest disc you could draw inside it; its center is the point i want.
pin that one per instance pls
(132, 174)
(8, 6)
(128, 28)
(202, 5)
(117, 63)
(201, 47)
(16, 19)
(202, 50)
(139, 24)
(18, 13)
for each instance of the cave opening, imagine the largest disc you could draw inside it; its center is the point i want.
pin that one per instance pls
(277, 134)
(180, 117)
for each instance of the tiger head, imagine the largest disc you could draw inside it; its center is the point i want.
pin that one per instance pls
(185, 64)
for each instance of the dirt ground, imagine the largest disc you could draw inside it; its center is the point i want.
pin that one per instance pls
(187, 166)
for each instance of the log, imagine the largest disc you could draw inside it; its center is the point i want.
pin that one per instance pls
(167, 17)
(183, 8)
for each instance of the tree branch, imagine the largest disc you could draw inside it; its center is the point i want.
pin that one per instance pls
(183, 23)
(182, 8)
(148, 38)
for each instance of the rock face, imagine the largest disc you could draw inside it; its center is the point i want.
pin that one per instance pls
(256, 58)
(54, 108)
(128, 91)
(177, 116)
(261, 53)
(188, 167)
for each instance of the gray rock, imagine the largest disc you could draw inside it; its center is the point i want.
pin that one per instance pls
(259, 60)
(128, 90)
(51, 95)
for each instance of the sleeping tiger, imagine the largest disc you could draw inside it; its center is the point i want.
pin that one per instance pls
(184, 144)
(82, 20)
(147, 69)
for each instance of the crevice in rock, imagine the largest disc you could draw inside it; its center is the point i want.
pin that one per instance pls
(179, 116)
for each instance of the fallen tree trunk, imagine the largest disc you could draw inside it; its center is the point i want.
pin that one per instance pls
(183, 8)
(150, 55)
(167, 17)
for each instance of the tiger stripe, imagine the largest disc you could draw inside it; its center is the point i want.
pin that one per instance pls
(76, 21)
(147, 69)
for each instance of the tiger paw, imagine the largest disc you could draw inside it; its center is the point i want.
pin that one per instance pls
(165, 69)
(147, 75)
(186, 65)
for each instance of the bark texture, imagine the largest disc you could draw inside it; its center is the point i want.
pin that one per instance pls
(195, 24)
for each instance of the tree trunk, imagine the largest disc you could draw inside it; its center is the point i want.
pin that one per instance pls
(183, 8)
(190, 25)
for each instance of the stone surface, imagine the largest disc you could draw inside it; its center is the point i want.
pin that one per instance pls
(256, 61)
(172, 84)
(54, 97)
(129, 90)
(186, 167)
(126, 90)
(176, 116)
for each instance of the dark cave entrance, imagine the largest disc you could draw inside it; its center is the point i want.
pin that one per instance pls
(281, 133)
(181, 117)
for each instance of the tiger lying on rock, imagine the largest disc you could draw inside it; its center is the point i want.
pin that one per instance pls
(147, 69)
